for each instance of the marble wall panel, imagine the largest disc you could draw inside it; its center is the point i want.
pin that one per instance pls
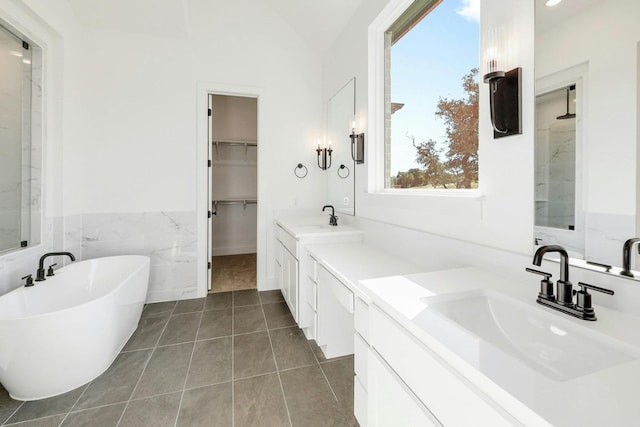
(168, 238)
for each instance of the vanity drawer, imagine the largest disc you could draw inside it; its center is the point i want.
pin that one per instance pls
(289, 242)
(362, 319)
(312, 267)
(310, 292)
(360, 364)
(436, 384)
(313, 323)
(279, 253)
(360, 403)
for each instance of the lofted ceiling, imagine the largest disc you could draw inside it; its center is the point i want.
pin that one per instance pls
(318, 23)
(162, 18)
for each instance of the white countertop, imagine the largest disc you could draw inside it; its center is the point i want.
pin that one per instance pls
(604, 397)
(317, 226)
(351, 262)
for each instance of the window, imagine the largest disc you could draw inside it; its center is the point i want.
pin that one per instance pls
(431, 96)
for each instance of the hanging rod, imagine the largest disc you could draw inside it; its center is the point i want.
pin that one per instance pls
(242, 143)
(235, 201)
(243, 202)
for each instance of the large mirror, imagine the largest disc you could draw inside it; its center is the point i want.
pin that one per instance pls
(586, 137)
(341, 174)
(19, 173)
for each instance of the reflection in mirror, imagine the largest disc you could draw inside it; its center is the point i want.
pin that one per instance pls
(594, 45)
(340, 180)
(15, 141)
(558, 215)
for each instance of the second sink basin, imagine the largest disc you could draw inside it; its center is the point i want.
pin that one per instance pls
(476, 323)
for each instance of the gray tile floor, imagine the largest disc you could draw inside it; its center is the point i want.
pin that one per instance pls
(231, 359)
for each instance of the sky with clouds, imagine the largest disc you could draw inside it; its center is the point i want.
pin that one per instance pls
(428, 63)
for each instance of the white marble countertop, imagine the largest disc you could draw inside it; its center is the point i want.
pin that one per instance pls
(300, 227)
(603, 397)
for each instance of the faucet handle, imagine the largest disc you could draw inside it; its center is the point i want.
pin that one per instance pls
(586, 286)
(546, 285)
(29, 280)
(583, 299)
(50, 270)
(547, 276)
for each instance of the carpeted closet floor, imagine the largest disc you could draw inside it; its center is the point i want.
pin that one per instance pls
(233, 273)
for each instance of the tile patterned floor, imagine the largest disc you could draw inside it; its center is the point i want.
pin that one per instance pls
(231, 359)
(233, 272)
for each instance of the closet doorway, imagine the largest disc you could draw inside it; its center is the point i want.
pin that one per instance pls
(233, 142)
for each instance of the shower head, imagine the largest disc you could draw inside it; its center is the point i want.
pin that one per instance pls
(567, 115)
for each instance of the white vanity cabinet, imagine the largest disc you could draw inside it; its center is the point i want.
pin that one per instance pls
(361, 361)
(410, 385)
(287, 266)
(296, 270)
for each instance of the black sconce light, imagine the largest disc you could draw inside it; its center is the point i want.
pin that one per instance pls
(505, 100)
(357, 145)
(324, 157)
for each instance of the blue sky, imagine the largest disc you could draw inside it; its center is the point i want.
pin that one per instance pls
(427, 63)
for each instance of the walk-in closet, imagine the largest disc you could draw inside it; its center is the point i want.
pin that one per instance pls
(233, 139)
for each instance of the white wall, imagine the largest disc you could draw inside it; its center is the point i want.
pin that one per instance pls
(129, 104)
(502, 216)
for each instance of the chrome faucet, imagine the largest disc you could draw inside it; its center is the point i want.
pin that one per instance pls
(626, 256)
(40, 272)
(333, 219)
(582, 308)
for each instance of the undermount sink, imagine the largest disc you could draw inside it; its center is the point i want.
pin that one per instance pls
(475, 324)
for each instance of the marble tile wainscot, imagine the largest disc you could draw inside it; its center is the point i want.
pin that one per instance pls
(169, 238)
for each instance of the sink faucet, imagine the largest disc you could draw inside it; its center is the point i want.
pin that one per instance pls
(626, 256)
(333, 219)
(582, 308)
(563, 286)
(40, 272)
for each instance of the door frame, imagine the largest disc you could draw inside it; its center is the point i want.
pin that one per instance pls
(203, 180)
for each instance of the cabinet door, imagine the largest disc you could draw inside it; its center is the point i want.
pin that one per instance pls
(279, 263)
(293, 285)
(335, 315)
(284, 282)
(390, 402)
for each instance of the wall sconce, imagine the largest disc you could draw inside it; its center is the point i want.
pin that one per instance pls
(324, 157)
(357, 145)
(505, 92)
(505, 100)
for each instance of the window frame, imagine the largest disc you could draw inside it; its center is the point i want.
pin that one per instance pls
(377, 57)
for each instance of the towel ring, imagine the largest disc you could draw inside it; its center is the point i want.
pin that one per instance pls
(341, 175)
(300, 166)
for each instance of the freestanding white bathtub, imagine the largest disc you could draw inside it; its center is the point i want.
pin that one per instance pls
(67, 330)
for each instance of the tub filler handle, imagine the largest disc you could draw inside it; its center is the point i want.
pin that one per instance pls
(29, 281)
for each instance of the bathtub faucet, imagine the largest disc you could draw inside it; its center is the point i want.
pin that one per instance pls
(40, 272)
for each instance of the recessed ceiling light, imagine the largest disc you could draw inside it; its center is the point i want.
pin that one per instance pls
(552, 2)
